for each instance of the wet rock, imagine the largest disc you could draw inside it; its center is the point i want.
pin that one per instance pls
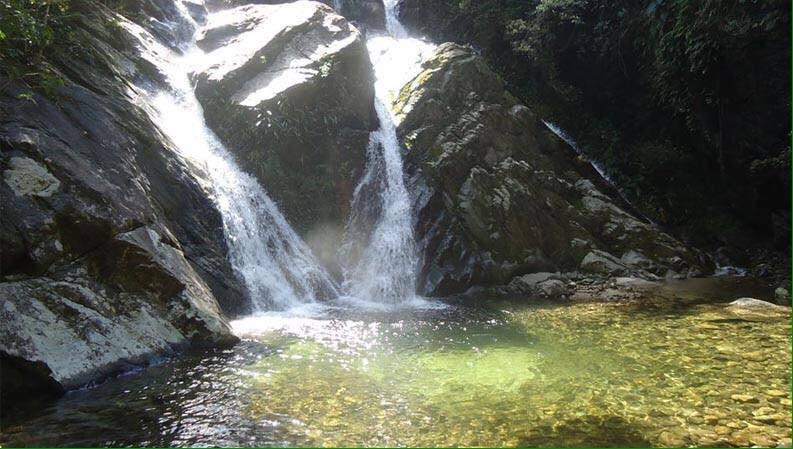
(528, 282)
(761, 440)
(753, 304)
(366, 14)
(710, 419)
(499, 195)
(722, 430)
(756, 309)
(80, 331)
(762, 270)
(745, 398)
(762, 411)
(671, 439)
(635, 259)
(601, 262)
(636, 283)
(196, 9)
(553, 289)
(289, 88)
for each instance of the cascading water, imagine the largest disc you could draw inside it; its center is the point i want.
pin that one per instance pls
(276, 265)
(392, 23)
(387, 267)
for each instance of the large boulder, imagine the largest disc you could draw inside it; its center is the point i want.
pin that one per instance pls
(112, 252)
(135, 298)
(499, 195)
(289, 88)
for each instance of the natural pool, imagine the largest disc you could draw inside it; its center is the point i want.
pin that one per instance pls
(675, 371)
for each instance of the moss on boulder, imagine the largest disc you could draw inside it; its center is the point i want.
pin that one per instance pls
(500, 195)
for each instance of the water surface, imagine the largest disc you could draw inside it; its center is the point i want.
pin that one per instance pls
(499, 373)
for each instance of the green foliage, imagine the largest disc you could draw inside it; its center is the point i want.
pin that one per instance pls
(28, 29)
(677, 98)
(35, 33)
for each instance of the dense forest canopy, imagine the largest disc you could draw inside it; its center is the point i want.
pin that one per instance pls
(686, 103)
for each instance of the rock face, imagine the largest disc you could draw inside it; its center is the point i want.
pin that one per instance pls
(293, 97)
(112, 252)
(499, 195)
(364, 14)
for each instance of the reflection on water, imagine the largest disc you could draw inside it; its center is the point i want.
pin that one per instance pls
(501, 374)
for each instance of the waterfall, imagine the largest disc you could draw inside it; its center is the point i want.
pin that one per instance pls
(392, 23)
(277, 267)
(386, 270)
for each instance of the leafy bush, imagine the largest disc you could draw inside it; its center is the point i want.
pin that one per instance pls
(35, 32)
(28, 30)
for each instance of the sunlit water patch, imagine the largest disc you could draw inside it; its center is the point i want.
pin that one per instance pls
(501, 374)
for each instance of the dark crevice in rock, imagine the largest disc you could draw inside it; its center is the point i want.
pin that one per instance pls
(21, 378)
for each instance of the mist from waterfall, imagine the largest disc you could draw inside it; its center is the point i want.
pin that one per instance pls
(277, 267)
(387, 268)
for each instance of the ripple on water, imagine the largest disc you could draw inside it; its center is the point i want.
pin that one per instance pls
(587, 374)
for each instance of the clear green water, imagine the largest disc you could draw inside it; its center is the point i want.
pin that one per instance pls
(499, 374)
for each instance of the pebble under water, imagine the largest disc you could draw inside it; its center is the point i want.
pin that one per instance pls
(497, 373)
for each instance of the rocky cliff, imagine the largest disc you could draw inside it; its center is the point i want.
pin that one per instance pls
(112, 252)
(698, 140)
(499, 195)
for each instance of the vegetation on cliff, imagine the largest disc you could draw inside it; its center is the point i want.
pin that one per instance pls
(687, 104)
(39, 38)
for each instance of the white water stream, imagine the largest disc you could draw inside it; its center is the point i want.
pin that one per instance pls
(277, 267)
(386, 271)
